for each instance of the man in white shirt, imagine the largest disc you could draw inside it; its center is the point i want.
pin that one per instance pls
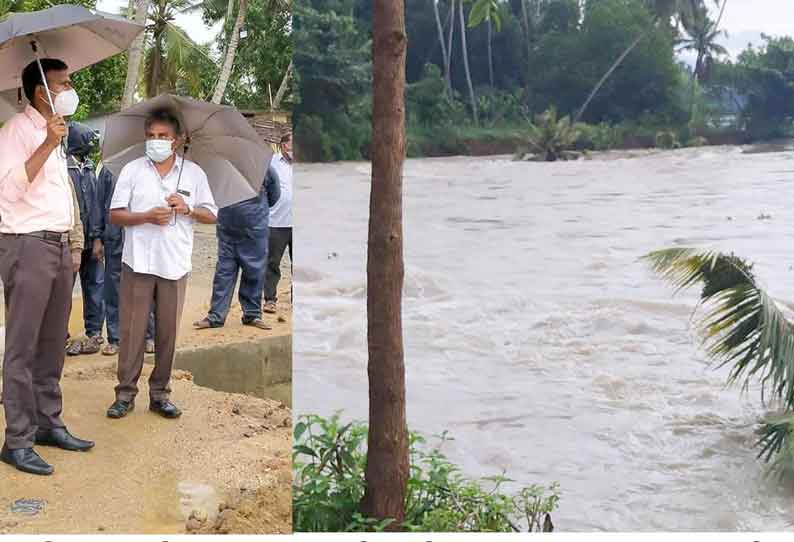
(157, 199)
(280, 224)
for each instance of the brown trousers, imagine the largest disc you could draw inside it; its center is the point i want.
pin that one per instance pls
(137, 293)
(37, 282)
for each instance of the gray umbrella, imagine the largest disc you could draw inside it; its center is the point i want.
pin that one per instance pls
(219, 139)
(77, 35)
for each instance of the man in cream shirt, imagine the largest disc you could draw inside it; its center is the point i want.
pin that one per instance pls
(157, 199)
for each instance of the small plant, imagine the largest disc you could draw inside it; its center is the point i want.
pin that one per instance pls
(329, 461)
(549, 136)
(667, 140)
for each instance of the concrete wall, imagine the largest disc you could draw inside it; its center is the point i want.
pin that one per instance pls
(261, 368)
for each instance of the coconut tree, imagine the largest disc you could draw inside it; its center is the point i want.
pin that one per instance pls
(488, 11)
(701, 38)
(387, 469)
(466, 69)
(137, 11)
(172, 58)
(744, 329)
(663, 11)
(231, 49)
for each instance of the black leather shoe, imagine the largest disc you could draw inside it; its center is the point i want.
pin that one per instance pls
(26, 460)
(60, 437)
(119, 409)
(166, 409)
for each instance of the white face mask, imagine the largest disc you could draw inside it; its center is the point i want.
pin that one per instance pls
(66, 103)
(159, 150)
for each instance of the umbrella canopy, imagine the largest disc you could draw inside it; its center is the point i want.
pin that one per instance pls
(219, 140)
(77, 35)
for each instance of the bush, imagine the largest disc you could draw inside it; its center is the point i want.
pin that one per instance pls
(667, 139)
(598, 137)
(329, 461)
(549, 136)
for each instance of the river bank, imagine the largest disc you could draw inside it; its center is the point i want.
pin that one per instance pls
(228, 451)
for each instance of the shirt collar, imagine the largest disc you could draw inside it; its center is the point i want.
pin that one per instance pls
(174, 169)
(38, 120)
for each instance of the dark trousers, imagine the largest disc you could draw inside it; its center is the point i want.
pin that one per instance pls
(243, 252)
(280, 239)
(113, 251)
(37, 283)
(92, 283)
(139, 292)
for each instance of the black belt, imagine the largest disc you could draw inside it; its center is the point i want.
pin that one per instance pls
(51, 236)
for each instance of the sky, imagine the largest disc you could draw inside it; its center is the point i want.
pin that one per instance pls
(746, 20)
(192, 24)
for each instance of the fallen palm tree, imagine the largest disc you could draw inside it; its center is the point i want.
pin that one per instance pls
(745, 329)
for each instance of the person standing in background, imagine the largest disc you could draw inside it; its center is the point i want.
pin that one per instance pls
(242, 249)
(81, 142)
(113, 238)
(280, 224)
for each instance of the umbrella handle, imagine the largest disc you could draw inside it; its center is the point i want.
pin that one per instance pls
(35, 48)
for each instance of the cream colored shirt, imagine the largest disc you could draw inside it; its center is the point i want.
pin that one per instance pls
(151, 249)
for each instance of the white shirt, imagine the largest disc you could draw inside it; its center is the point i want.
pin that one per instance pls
(281, 212)
(164, 251)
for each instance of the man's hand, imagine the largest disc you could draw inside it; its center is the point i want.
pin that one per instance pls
(160, 216)
(76, 261)
(98, 251)
(56, 130)
(178, 204)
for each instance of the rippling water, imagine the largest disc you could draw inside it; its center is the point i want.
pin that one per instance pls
(535, 336)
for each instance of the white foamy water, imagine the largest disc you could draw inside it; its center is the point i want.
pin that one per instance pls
(535, 336)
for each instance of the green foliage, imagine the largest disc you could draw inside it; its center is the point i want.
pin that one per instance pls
(262, 55)
(549, 136)
(333, 72)
(667, 139)
(745, 330)
(485, 10)
(428, 103)
(329, 462)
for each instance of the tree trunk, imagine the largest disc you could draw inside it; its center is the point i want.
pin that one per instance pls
(387, 468)
(448, 67)
(153, 77)
(466, 63)
(606, 76)
(443, 45)
(490, 52)
(135, 54)
(693, 82)
(231, 51)
(526, 28)
(282, 89)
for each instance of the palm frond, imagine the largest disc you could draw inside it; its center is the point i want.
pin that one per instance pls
(744, 329)
(776, 441)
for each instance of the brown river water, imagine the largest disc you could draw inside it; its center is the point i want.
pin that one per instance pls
(536, 337)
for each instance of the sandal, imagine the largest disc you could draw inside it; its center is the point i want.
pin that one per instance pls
(270, 307)
(91, 345)
(149, 348)
(259, 323)
(110, 349)
(75, 348)
(204, 324)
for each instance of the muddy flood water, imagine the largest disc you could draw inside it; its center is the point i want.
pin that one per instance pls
(536, 337)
